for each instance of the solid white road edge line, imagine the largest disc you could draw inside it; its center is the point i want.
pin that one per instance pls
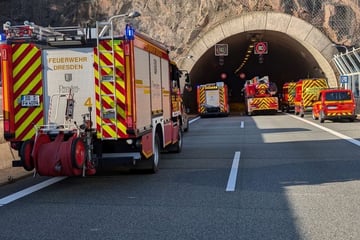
(347, 138)
(37, 187)
(233, 173)
(29, 190)
(194, 119)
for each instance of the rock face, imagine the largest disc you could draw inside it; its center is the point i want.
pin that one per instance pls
(177, 24)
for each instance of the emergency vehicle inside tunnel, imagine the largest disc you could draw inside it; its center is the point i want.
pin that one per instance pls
(284, 59)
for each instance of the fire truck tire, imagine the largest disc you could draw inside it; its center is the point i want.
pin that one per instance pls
(301, 113)
(78, 153)
(186, 129)
(314, 117)
(321, 117)
(156, 156)
(282, 108)
(25, 155)
(177, 147)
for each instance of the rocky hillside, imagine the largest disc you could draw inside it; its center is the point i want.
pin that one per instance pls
(178, 23)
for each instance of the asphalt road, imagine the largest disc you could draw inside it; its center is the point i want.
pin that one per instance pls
(293, 181)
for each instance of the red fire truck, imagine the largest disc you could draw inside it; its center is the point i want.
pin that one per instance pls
(212, 99)
(73, 103)
(306, 93)
(288, 97)
(260, 96)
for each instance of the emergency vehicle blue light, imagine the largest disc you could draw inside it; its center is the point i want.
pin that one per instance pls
(129, 32)
(2, 37)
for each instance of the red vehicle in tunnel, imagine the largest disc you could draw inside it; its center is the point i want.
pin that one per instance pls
(334, 104)
(306, 92)
(212, 99)
(260, 96)
(288, 97)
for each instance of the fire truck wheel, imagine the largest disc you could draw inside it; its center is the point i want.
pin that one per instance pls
(314, 117)
(321, 117)
(301, 113)
(282, 108)
(176, 148)
(78, 153)
(186, 128)
(156, 156)
(25, 155)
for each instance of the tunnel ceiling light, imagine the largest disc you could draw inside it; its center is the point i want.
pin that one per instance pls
(249, 51)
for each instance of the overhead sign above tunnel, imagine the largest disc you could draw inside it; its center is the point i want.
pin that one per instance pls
(261, 48)
(221, 49)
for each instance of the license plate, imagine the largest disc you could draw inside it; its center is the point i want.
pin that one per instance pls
(30, 100)
(332, 107)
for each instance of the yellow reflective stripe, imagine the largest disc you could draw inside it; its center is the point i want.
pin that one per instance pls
(28, 58)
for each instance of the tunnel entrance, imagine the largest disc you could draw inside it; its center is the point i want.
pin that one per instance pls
(295, 51)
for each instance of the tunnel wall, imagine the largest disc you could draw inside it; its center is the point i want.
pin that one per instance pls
(310, 37)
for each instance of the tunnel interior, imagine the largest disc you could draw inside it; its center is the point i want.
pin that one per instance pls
(286, 60)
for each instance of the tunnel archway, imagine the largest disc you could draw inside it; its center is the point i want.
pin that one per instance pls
(296, 49)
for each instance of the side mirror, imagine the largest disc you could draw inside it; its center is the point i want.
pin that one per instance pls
(187, 78)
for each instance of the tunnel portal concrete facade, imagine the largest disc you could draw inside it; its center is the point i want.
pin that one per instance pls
(298, 30)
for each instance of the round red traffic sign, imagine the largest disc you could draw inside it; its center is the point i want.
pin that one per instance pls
(261, 48)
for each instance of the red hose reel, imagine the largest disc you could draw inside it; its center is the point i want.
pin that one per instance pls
(59, 157)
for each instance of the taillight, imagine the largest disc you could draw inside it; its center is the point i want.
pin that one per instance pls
(6, 126)
(129, 122)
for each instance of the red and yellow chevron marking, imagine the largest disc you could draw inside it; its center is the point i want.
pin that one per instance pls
(27, 79)
(261, 88)
(264, 103)
(112, 127)
(291, 92)
(201, 99)
(222, 100)
(311, 90)
(333, 114)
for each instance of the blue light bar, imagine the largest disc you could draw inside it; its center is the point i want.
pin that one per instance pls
(129, 32)
(2, 37)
